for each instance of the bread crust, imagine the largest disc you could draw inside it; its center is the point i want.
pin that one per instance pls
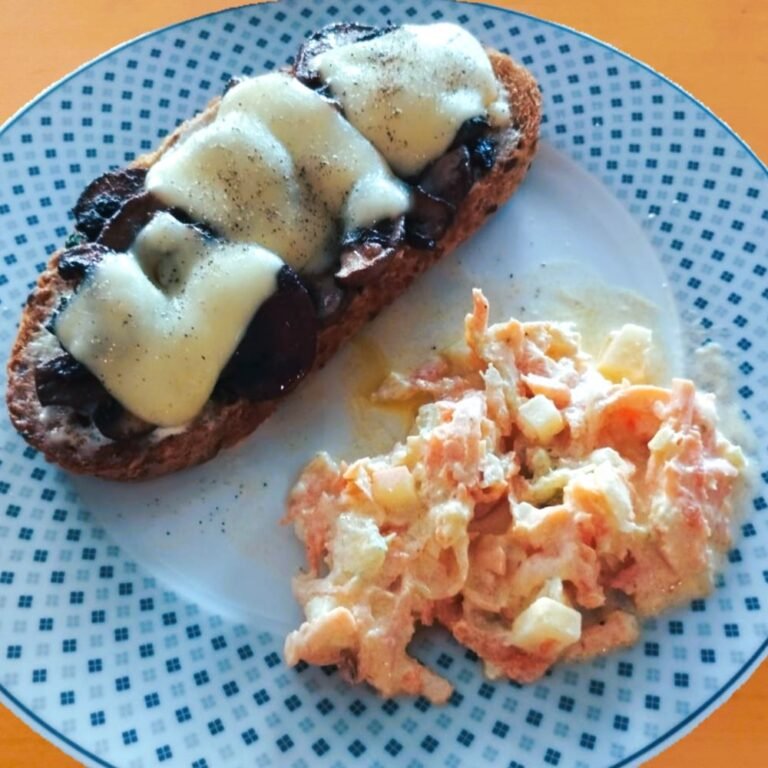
(82, 450)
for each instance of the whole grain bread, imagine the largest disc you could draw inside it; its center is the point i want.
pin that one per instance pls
(82, 449)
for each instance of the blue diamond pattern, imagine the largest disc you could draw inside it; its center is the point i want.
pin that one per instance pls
(169, 681)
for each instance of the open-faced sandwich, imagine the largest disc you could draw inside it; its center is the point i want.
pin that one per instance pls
(204, 281)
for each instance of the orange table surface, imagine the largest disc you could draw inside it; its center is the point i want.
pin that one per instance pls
(715, 49)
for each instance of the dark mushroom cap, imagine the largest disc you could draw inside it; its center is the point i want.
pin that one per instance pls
(103, 197)
(278, 347)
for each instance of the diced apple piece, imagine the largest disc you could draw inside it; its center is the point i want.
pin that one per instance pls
(627, 355)
(357, 548)
(539, 419)
(395, 489)
(546, 625)
(534, 526)
(450, 520)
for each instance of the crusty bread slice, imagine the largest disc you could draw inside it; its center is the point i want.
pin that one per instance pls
(84, 450)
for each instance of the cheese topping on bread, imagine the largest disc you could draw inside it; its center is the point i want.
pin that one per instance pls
(409, 91)
(280, 172)
(158, 324)
(279, 166)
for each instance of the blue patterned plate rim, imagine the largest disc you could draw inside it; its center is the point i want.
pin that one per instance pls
(555, 25)
(686, 724)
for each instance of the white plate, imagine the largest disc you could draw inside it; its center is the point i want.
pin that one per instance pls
(143, 624)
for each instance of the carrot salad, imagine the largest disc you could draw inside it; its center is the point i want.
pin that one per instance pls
(543, 502)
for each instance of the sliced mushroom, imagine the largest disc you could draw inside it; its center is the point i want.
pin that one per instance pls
(114, 422)
(103, 197)
(65, 381)
(483, 156)
(363, 262)
(427, 220)
(450, 177)
(327, 295)
(75, 262)
(331, 36)
(278, 347)
(475, 134)
(470, 131)
(121, 230)
(365, 252)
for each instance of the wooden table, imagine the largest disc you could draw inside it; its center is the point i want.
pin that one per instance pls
(716, 50)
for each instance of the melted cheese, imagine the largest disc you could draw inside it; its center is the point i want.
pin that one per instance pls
(279, 166)
(158, 324)
(409, 91)
(277, 173)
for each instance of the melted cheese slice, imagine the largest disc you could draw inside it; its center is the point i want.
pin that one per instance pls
(408, 91)
(279, 166)
(158, 324)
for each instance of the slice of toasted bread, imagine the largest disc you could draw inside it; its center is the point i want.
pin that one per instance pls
(84, 450)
